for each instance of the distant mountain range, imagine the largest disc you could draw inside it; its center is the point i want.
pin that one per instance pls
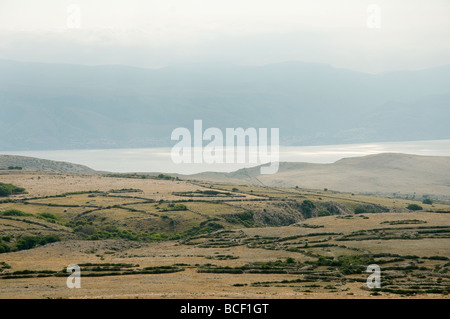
(61, 106)
(386, 174)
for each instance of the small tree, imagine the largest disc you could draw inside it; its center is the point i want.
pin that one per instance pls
(3, 247)
(290, 260)
(324, 212)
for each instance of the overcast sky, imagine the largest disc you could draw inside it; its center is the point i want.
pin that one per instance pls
(412, 34)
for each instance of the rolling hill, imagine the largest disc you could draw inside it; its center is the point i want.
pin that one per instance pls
(387, 173)
(403, 175)
(42, 165)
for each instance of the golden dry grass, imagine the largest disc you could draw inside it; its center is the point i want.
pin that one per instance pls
(205, 249)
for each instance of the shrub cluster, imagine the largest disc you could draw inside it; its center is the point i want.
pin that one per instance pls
(28, 242)
(174, 207)
(244, 218)
(414, 207)
(9, 189)
(14, 212)
(307, 207)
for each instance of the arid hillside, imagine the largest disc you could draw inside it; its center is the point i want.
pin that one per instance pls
(140, 236)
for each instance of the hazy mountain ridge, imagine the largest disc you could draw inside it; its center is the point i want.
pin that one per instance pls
(61, 106)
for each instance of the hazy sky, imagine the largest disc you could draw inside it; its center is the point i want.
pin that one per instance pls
(412, 34)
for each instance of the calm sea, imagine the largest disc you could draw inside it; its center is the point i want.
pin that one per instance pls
(159, 159)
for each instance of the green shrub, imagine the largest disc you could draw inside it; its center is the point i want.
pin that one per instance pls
(307, 208)
(290, 260)
(157, 237)
(370, 209)
(164, 176)
(348, 265)
(198, 230)
(85, 229)
(174, 207)
(9, 189)
(48, 217)
(324, 212)
(28, 242)
(414, 207)
(6, 238)
(14, 212)
(3, 247)
(245, 218)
